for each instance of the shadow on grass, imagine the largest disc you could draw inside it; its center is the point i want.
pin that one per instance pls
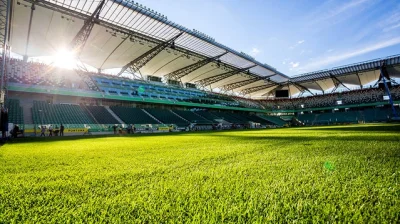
(101, 136)
(362, 130)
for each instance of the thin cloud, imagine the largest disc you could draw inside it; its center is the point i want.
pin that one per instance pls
(294, 64)
(391, 21)
(337, 13)
(343, 8)
(255, 51)
(325, 61)
(391, 27)
(297, 44)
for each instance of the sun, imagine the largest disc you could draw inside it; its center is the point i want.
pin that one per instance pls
(65, 59)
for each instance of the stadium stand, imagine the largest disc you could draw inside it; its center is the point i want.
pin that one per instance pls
(231, 118)
(274, 120)
(112, 85)
(330, 100)
(101, 115)
(45, 113)
(356, 116)
(207, 115)
(15, 112)
(167, 117)
(193, 117)
(33, 73)
(133, 115)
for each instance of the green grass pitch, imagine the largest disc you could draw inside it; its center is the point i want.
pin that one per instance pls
(315, 174)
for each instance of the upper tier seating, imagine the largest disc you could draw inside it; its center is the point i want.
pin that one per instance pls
(32, 73)
(132, 115)
(101, 115)
(137, 88)
(192, 117)
(330, 100)
(15, 112)
(167, 117)
(45, 113)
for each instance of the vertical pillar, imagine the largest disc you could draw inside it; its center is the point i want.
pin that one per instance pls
(5, 25)
(388, 92)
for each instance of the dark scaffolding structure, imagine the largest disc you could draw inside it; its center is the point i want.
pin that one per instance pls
(5, 26)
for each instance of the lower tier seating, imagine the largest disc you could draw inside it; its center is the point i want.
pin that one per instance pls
(274, 120)
(256, 119)
(192, 117)
(367, 115)
(101, 115)
(376, 114)
(132, 115)
(207, 115)
(167, 117)
(231, 118)
(45, 113)
(15, 112)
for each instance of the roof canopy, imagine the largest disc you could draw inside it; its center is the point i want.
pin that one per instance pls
(125, 30)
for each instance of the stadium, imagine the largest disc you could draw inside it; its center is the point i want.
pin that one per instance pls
(140, 119)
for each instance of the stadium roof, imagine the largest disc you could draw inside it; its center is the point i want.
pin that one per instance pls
(125, 30)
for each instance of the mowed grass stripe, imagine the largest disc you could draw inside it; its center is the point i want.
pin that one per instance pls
(320, 174)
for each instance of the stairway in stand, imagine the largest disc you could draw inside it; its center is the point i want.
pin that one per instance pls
(152, 116)
(114, 115)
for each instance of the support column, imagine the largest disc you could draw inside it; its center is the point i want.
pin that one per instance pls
(5, 26)
(383, 78)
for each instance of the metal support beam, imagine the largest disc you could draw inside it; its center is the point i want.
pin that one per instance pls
(239, 84)
(29, 32)
(383, 78)
(320, 87)
(337, 83)
(136, 64)
(213, 79)
(81, 37)
(384, 73)
(359, 80)
(258, 88)
(178, 74)
(301, 87)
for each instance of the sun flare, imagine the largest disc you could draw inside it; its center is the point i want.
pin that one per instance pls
(64, 59)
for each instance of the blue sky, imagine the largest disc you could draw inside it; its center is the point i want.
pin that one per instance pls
(294, 36)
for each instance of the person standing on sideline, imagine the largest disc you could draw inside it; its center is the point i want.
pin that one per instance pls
(43, 131)
(61, 130)
(115, 129)
(50, 130)
(130, 128)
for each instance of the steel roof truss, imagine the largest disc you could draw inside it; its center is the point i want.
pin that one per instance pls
(143, 59)
(217, 78)
(178, 74)
(81, 37)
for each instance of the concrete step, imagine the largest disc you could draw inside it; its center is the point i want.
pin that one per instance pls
(27, 109)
